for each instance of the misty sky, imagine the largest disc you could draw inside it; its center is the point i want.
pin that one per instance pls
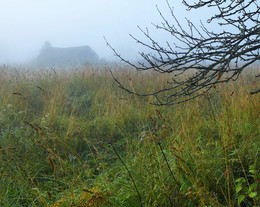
(26, 24)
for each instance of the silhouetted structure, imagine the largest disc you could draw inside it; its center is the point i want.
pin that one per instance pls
(55, 56)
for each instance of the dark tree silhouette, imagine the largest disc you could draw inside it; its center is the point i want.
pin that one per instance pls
(198, 58)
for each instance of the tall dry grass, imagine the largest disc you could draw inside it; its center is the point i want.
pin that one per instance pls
(74, 138)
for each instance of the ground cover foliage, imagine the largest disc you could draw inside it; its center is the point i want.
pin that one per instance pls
(73, 138)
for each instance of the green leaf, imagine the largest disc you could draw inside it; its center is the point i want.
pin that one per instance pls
(252, 194)
(252, 172)
(240, 180)
(240, 199)
(252, 187)
(252, 169)
(238, 188)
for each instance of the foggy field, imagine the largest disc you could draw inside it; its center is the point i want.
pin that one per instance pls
(130, 103)
(74, 138)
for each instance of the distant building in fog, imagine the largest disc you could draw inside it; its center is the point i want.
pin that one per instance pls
(69, 56)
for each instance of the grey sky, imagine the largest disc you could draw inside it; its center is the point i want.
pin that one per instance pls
(26, 24)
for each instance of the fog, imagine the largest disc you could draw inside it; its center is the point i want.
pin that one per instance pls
(26, 25)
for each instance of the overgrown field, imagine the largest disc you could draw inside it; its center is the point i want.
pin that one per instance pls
(74, 138)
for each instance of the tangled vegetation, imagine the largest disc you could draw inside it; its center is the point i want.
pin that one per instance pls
(73, 138)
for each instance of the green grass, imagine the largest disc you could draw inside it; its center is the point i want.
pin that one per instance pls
(73, 138)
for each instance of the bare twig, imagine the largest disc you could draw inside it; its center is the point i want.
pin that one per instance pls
(198, 58)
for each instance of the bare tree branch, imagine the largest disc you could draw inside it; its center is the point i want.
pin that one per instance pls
(198, 58)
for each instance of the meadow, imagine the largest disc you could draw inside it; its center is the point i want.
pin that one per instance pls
(74, 138)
